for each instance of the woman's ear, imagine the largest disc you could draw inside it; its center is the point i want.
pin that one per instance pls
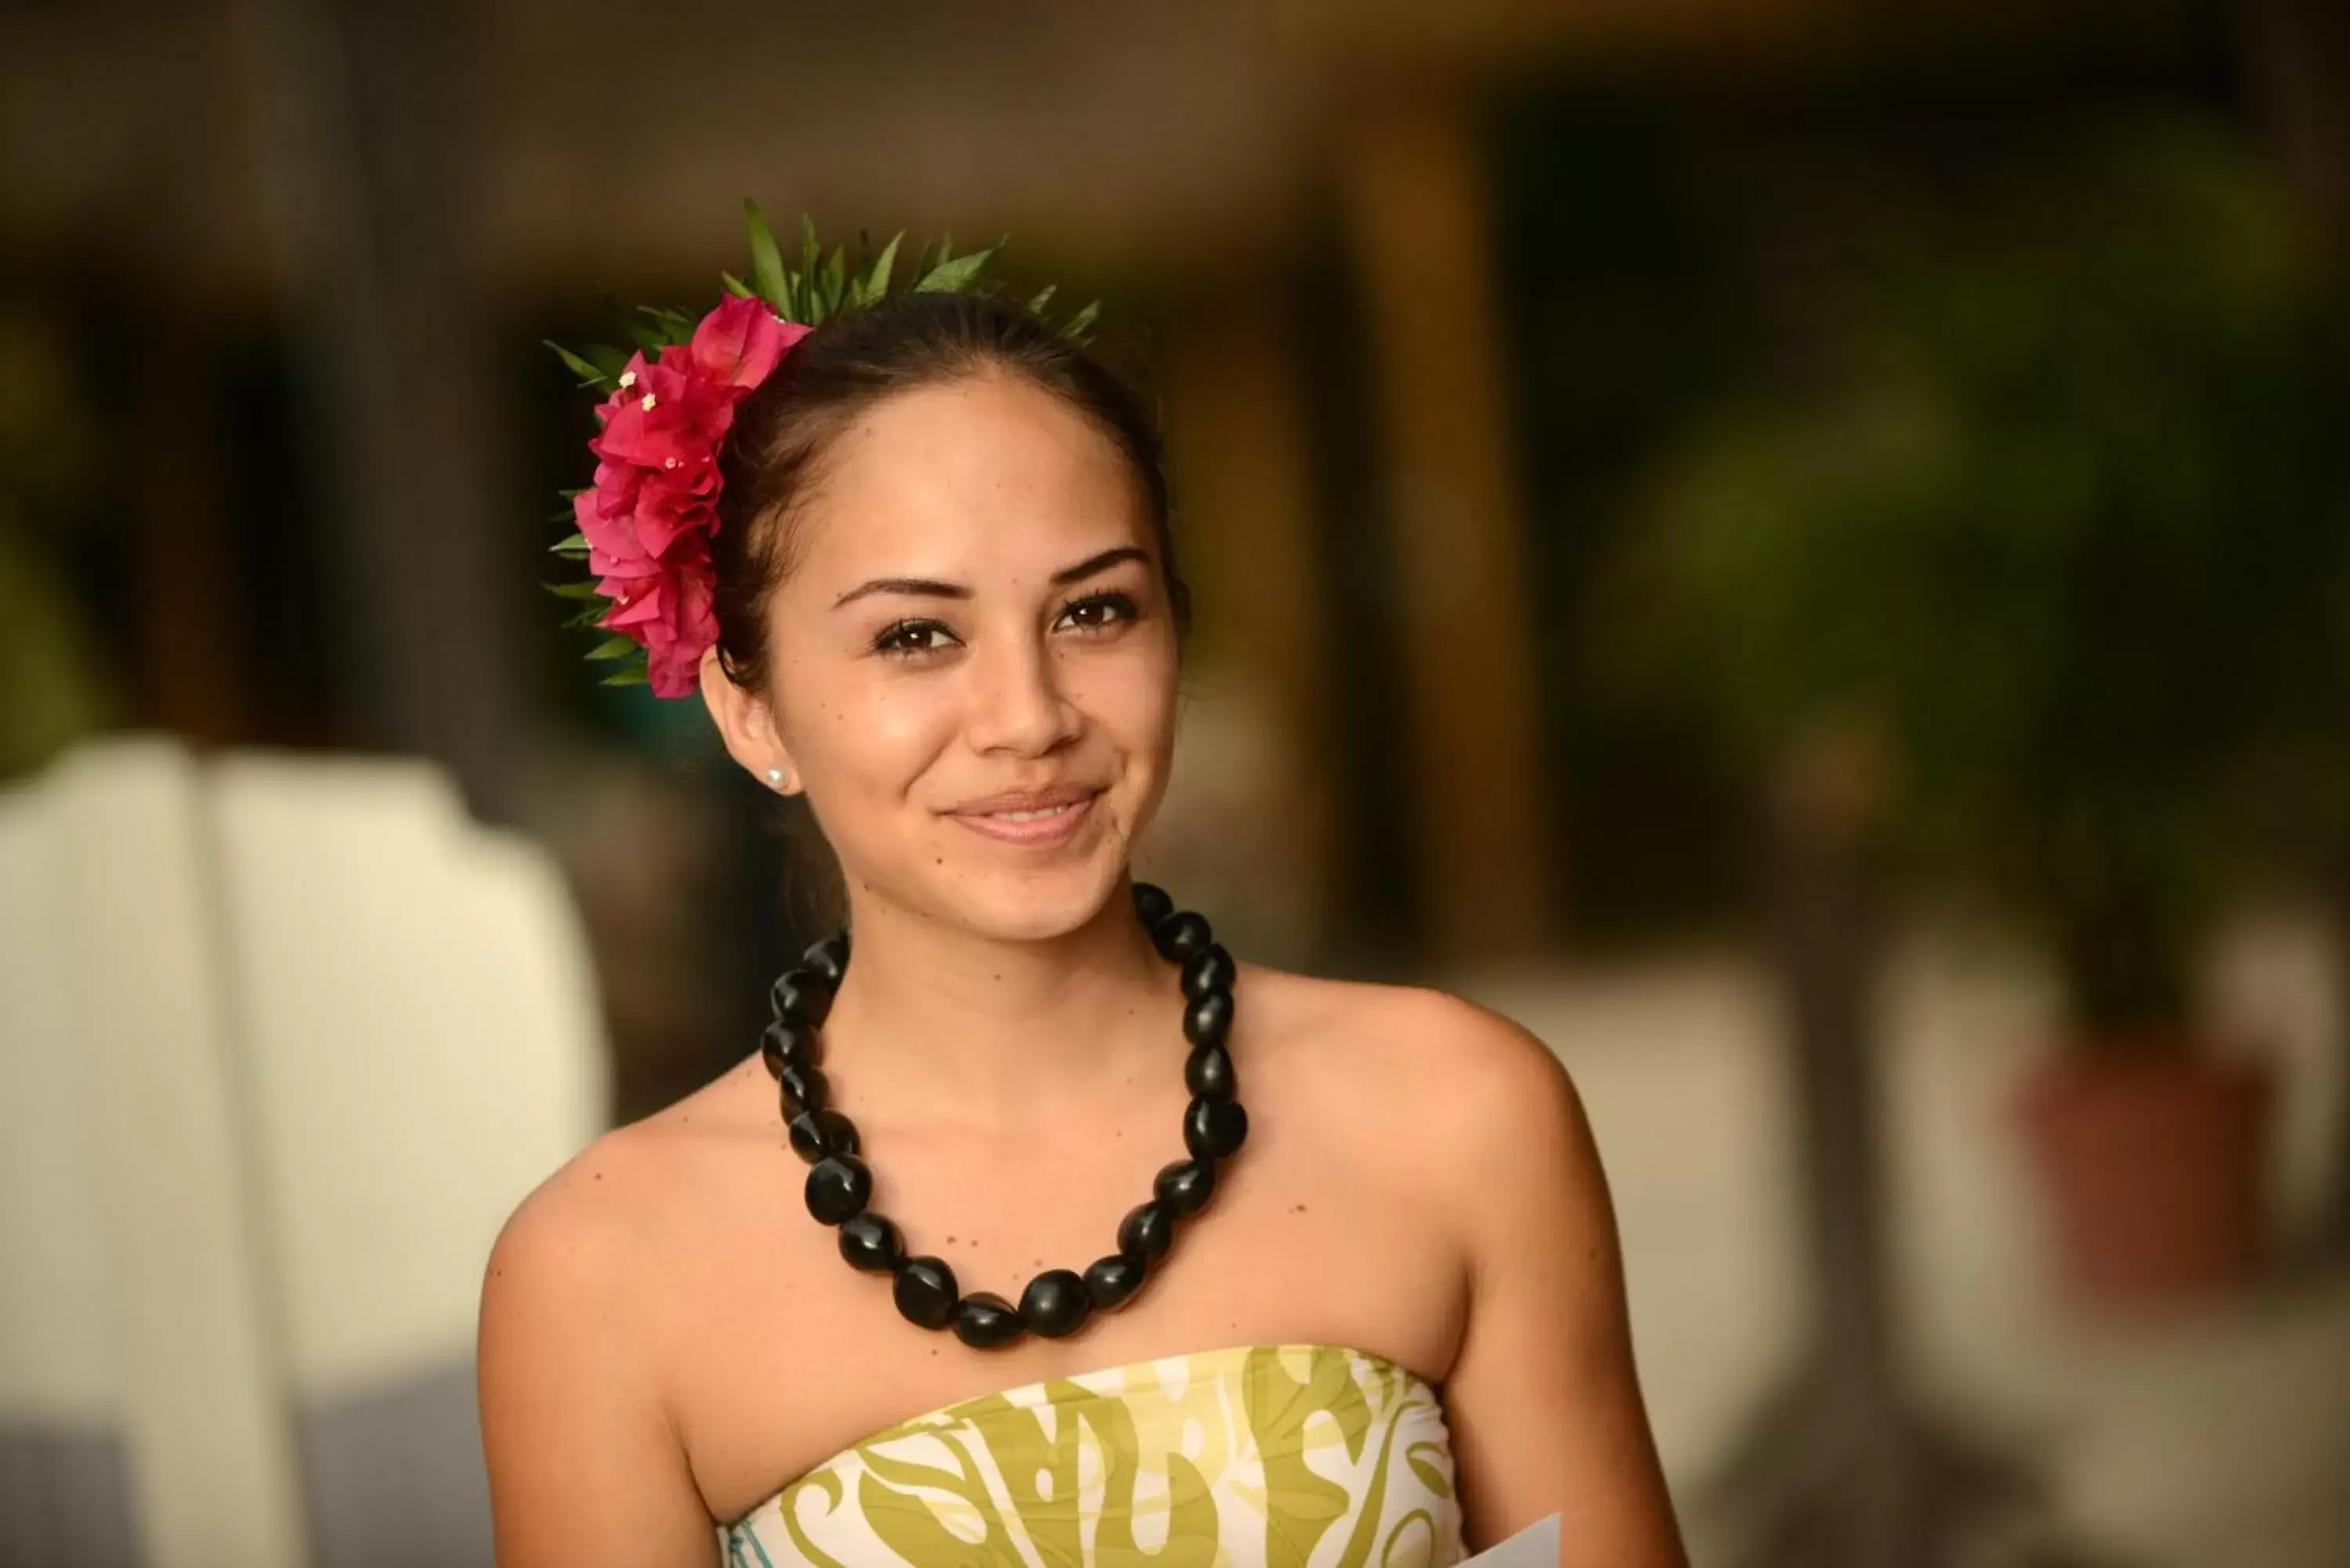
(747, 724)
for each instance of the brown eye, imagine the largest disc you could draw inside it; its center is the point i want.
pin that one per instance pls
(1102, 611)
(906, 639)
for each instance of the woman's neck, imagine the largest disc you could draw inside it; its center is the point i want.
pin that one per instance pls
(936, 1022)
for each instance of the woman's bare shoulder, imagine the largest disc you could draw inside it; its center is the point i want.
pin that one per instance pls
(610, 1215)
(1394, 1028)
(578, 1326)
(1469, 1080)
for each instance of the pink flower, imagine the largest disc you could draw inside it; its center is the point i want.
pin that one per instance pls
(739, 343)
(653, 508)
(670, 614)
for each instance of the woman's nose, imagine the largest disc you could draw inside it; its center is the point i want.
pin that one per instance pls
(1017, 704)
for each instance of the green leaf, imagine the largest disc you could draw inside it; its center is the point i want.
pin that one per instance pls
(651, 339)
(607, 358)
(588, 618)
(590, 375)
(635, 675)
(613, 648)
(677, 324)
(573, 590)
(575, 546)
(736, 286)
(1077, 326)
(950, 277)
(766, 260)
(877, 280)
(1043, 297)
(811, 259)
(835, 281)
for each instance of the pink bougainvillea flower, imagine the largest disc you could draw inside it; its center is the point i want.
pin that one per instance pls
(649, 515)
(670, 614)
(739, 343)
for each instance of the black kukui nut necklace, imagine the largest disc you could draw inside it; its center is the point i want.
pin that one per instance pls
(1058, 1301)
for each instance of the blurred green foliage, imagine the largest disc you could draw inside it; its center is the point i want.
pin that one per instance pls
(2052, 507)
(48, 467)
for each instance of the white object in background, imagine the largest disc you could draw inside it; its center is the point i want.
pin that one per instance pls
(282, 1040)
(1535, 1546)
(416, 1012)
(136, 1300)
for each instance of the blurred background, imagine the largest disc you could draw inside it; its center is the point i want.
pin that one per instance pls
(1799, 549)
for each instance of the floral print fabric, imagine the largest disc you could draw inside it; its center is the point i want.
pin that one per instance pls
(1289, 1456)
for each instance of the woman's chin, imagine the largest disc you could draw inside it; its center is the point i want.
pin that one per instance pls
(1039, 904)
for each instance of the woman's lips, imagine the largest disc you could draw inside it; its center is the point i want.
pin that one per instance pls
(1053, 828)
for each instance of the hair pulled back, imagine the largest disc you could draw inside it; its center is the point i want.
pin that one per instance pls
(773, 460)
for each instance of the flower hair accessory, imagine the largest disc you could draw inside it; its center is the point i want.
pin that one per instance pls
(644, 525)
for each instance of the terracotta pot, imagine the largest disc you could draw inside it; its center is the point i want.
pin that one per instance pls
(2155, 1166)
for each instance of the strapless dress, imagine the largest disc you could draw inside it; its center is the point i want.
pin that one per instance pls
(1272, 1455)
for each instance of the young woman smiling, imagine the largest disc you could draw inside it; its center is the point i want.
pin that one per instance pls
(1376, 1315)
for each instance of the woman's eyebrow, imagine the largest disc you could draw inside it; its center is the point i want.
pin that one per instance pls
(931, 587)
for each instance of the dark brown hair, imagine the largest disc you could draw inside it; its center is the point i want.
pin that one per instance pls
(773, 457)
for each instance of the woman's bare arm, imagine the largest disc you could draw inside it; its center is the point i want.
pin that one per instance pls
(585, 1465)
(1543, 1404)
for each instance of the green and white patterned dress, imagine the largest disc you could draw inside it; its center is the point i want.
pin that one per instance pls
(1285, 1456)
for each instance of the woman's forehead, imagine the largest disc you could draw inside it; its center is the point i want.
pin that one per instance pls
(988, 473)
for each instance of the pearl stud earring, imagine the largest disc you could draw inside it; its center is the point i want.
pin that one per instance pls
(775, 777)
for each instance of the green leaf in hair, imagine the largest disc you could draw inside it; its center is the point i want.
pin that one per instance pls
(766, 261)
(835, 281)
(949, 276)
(651, 339)
(589, 376)
(606, 357)
(877, 279)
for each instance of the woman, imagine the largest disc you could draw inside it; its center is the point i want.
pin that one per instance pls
(944, 603)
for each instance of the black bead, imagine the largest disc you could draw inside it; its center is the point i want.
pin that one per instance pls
(1208, 1019)
(925, 1292)
(871, 1244)
(1181, 935)
(787, 1043)
(837, 1187)
(1147, 1232)
(985, 1320)
(804, 1089)
(1151, 903)
(1209, 1073)
(816, 1134)
(1210, 968)
(1111, 1280)
(1056, 1303)
(1186, 1186)
(1212, 1129)
(828, 960)
(802, 994)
